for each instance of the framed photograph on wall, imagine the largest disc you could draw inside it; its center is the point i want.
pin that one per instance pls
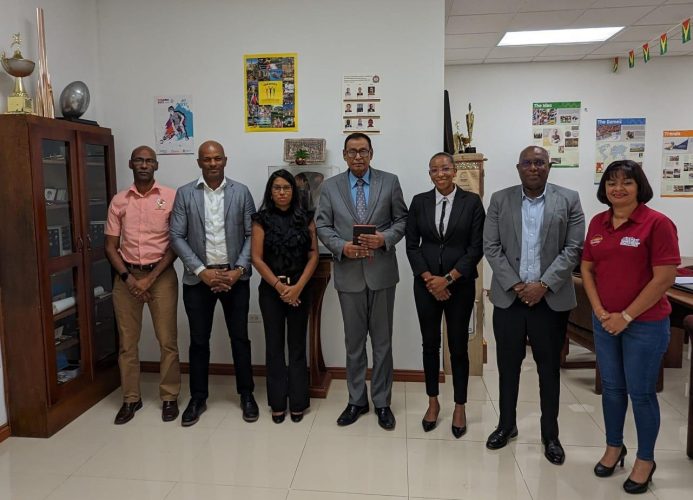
(49, 194)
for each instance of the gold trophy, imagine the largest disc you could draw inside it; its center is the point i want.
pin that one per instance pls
(18, 102)
(469, 118)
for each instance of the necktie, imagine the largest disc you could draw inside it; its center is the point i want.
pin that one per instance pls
(441, 226)
(360, 201)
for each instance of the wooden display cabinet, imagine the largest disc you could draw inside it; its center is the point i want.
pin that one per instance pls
(61, 341)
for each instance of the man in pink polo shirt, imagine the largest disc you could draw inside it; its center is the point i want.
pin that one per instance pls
(137, 244)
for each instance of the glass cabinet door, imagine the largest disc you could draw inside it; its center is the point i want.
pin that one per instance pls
(97, 187)
(59, 199)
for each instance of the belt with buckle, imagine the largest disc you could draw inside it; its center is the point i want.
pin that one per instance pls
(141, 267)
(218, 266)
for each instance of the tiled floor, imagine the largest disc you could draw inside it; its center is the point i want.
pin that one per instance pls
(223, 457)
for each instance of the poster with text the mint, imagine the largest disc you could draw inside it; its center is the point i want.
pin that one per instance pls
(556, 128)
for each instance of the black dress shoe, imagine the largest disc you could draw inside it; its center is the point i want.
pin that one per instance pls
(500, 437)
(278, 419)
(386, 419)
(191, 415)
(296, 417)
(634, 488)
(169, 411)
(601, 470)
(553, 451)
(458, 432)
(249, 407)
(428, 425)
(351, 414)
(127, 411)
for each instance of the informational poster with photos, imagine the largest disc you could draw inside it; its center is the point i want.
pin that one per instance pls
(270, 92)
(173, 125)
(361, 105)
(618, 139)
(677, 163)
(556, 128)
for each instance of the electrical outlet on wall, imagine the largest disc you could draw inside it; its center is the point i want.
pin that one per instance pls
(254, 318)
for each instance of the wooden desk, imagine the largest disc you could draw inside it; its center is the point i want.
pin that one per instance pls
(320, 378)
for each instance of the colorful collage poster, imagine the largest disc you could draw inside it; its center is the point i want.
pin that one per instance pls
(618, 139)
(173, 125)
(677, 163)
(556, 128)
(270, 93)
(361, 104)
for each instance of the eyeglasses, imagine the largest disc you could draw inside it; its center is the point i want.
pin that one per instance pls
(278, 189)
(435, 171)
(363, 153)
(140, 161)
(539, 163)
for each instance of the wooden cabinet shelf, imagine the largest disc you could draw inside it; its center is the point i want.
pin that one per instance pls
(46, 254)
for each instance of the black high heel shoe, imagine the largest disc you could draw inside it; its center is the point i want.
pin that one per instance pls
(458, 432)
(278, 419)
(428, 425)
(634, 488)
(601, 470)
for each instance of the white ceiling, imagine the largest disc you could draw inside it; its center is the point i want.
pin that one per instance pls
(474, 27)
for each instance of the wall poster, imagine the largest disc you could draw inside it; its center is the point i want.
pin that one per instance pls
(677, 163)
(556, 128)
(173, 125)
(618, 139)
(361, 104)
(270, 92)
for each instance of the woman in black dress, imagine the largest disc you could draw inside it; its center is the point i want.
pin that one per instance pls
(285, 253)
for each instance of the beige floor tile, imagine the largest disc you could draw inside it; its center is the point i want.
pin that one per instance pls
(673, 479)
(572, 480)
(18, 486)
(111, 489)
(323, 495)
(357, 464)
(481, 420)
(197, 491)
(154, 453)
(443, 469)
(264, 458)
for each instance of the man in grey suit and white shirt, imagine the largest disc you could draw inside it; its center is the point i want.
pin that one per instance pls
(365, 275)
(533, 238)
(210, 232)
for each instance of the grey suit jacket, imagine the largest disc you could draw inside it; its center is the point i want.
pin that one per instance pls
(336, 216)
(562, 234)
(187, 227)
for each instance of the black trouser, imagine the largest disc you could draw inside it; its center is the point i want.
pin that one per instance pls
(458, 310)
(545, 329)
(283, 320)
(200, 301)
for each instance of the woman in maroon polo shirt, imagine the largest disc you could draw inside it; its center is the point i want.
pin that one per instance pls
(628, 263)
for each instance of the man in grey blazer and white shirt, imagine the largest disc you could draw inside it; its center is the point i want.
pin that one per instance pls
(210, 232)
(366, 274)
(533, 238)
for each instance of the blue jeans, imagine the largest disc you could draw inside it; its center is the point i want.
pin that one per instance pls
(629, 366)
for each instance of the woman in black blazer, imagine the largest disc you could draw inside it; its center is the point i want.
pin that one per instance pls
(444, 246)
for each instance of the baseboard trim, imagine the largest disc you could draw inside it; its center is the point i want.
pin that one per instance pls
(4, 432)
(337, 372)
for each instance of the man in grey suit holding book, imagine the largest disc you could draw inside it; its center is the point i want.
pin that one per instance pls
(365, 274)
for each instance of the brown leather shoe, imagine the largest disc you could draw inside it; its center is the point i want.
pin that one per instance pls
(169, 411)
(127, 411)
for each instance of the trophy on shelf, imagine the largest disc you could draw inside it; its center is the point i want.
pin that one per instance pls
(469, 118)
(18, 102)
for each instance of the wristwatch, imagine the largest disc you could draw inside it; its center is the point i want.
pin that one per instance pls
(544, 285)
(449, 279)
(242, 269)
(124, 276)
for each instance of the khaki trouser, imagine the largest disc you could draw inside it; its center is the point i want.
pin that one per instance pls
(163, 308)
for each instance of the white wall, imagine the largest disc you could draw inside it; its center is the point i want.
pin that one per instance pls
(71, 50)
(502, 97)
(179, 47)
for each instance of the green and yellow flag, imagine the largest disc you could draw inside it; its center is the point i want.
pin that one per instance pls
(646, 52)
(631, 59)
(663, 44)
(686, 31)
(615, 67)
